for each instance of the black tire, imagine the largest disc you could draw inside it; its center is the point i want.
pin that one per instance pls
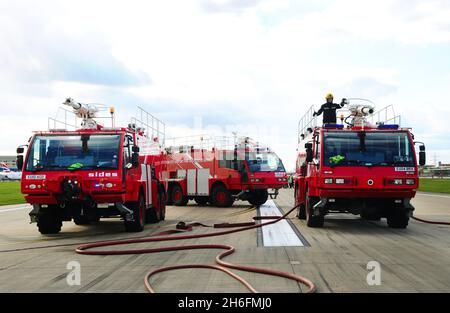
(301, 212)
(139, 211)
(162, 213)
(95, 219)
(398, 218)
(221, 197)
(177, 196)
(49, 223)
(258, 197)
(315, 221)
(169, 198)
(202, 201)
(154, 215)
(81, 220)
(151, 216)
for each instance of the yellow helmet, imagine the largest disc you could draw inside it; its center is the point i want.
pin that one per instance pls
(329, 96)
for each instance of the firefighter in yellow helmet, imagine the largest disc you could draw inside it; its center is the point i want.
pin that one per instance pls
(329, 109)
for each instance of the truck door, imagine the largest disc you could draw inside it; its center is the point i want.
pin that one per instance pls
(243, 171)
(126, 158)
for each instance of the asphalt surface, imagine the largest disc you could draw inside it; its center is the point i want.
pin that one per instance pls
(335, 257)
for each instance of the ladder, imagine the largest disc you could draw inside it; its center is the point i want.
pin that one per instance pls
(307, 121)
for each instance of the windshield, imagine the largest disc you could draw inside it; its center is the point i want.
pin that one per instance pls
(367, 149)
(74, 152)
(264, 162)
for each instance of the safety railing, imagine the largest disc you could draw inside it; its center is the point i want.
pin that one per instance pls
(209, 142)
(149, 125)
(66, 119)
(62, 120)
(386, 115)
(307, 121)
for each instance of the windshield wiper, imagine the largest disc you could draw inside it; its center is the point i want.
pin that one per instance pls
(388, 163)
(354, 162)
(109, 167)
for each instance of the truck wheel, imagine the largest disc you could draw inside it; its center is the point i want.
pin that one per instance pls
(139, 211)
(301, 212)
(49, 223)
(202, 201)
(398, 218)
(81, 220)
(96, 219)
(177, 196)
(312, 220)
(169, 200)
(258, 197)
(162, 212)
(152, 215)
(221, 197)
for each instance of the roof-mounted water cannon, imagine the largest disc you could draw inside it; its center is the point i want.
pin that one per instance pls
(86, 112)
(360, 110)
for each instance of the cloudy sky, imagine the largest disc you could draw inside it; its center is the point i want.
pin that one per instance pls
(226, 65)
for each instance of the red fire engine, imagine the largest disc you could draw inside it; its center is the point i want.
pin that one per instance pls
(367, 168)
(220, 170)
(94, 172)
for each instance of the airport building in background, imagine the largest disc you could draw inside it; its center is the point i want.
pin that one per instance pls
(10, 161)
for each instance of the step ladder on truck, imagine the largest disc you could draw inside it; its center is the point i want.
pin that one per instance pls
(220, 170)
(364, 164)
(91, 172)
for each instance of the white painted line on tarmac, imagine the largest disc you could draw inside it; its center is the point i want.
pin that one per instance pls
(431, 195)
(15, 209)
(279, 234)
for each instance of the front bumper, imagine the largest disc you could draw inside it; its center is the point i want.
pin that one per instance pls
(57, 198)
(356, 205)
(366, 193)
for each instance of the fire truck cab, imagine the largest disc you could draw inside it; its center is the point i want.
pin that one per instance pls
(220, 170)
(366, 167)
(91, 173)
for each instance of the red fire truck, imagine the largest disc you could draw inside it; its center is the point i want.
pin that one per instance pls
(220, 170)
(94, 172)
(367, 167)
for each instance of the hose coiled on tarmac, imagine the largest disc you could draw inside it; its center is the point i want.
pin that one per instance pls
(220, 265)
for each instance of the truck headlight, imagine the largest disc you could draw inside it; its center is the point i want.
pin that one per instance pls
(340, 181)
(328, 180)
(410, 181)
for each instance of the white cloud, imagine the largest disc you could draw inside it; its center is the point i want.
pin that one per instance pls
(206, 64)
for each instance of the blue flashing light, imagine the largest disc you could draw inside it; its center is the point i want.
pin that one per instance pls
(388, 126)
(331, 126)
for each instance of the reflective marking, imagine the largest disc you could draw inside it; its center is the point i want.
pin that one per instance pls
(279, 234)
(149, 185)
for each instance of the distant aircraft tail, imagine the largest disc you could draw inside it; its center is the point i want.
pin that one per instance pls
(5, 167)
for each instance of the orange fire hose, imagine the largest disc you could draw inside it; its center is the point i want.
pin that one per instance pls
(430, 222)
(220, 264)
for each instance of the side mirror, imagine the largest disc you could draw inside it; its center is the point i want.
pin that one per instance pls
(422, 155)
(20, 150)
(19, 162)
(309, 153)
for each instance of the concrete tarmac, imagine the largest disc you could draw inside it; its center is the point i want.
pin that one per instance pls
(335, 258)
